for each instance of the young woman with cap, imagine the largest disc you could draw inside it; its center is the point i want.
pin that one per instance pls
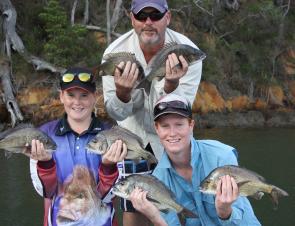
(184, 164)
(71, 133)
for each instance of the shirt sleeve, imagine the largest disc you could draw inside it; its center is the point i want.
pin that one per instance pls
(117, 109)
(242, 214)
(107, 178)
(47, 174)
(189, 83)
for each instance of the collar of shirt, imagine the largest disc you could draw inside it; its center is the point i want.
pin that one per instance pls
(195, 152)
(63, 126)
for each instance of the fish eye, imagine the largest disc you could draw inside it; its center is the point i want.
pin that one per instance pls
(80, 195)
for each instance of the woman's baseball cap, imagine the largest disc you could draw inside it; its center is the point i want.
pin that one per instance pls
(172, 104)
(78, 77)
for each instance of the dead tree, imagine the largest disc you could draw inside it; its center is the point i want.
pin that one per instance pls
(8, 96)
(14, 42)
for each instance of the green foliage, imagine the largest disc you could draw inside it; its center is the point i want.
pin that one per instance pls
(65, 44)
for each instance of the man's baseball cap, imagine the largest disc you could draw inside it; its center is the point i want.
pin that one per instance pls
(160, 5)
(172, 104)
(78, 77)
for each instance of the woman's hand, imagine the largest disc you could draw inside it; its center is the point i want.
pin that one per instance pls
(141, 204)
(227, 192)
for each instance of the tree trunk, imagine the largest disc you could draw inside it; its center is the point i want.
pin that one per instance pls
(8, 97)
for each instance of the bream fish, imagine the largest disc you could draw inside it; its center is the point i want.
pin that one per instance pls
(158, 194)
(102, 141)
(157, 66)
(18, 139)
(112, 60)
(249, 183)
(81, 204)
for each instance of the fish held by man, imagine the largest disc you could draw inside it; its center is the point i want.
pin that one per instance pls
(157, 66)
(157, 193)
(135, 149)
(249, 183)
(112, 60)
(19, 138)
(81, 203)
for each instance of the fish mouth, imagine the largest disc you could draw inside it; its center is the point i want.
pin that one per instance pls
(67, 215)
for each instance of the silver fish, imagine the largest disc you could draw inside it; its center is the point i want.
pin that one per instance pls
(14, 140)
(249, 183)
(81, 204)
(157, 66)
(158, 194)
(102, 141)
(113, 59)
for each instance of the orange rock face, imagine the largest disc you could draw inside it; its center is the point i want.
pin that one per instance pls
(208, 99)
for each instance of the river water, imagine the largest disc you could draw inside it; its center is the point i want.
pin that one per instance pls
(269, 152)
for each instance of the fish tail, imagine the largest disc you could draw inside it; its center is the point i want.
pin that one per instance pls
(185, 213)
(275, 194)
(153, 159)
(146, 85)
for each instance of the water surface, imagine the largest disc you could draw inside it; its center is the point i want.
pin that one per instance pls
(269, 152)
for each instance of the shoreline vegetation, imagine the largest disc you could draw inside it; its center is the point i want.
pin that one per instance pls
(248, 77)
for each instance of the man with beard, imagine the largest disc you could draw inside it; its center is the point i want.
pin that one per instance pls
(133, 108)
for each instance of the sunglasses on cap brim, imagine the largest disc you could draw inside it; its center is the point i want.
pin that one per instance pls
(83, 77)
(160, 107)
(154, 16)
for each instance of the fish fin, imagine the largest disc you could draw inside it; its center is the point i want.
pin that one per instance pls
(136, 160)
(261, 178)
(182, 219)
(241, 183)
(188, 213)
(275, 194)
(145, 84)
(258, 195)
(8, 154)
(152, 159)
(152, 199)
(18, 127)
(110, 56)
(129, 133)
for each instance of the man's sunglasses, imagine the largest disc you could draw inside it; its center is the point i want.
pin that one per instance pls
(83, 77)
(172, 104)
(154, 16)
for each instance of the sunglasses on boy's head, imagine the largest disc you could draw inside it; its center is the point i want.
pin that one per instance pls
(83, 77)
(171, 104)
(154, 16)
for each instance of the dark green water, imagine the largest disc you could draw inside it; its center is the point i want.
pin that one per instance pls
(269, 152)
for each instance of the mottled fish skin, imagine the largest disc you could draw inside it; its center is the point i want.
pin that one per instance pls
(158, 193)
(81, 204)
(102, 141)
(157, 66)
(15, 140)
(112, 60)
(249, 183)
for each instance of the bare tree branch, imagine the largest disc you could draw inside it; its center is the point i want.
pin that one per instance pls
(116, 14)
(201, 8)
(12, 40)
(8, 97)
(97, 28)
(86, 12)
(73, 12)
(108, 22)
